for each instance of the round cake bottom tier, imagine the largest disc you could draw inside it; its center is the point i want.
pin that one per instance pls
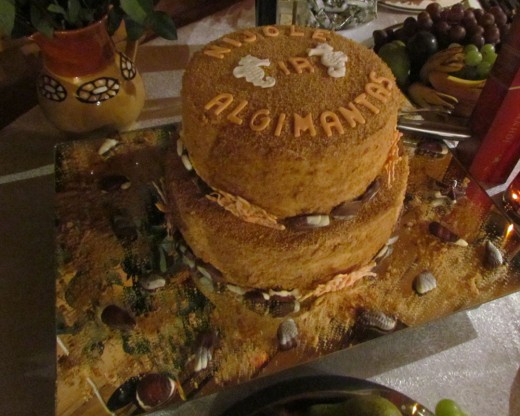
(253, 256)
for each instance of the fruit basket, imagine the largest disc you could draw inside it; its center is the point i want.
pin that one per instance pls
(442, 56)
(327, 395)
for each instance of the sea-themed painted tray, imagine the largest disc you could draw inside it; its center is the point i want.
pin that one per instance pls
(134, 333)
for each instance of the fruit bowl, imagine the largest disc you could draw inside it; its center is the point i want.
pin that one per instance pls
(442, 57)
(325, 396)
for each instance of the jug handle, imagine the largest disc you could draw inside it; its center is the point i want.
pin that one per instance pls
(131, 49)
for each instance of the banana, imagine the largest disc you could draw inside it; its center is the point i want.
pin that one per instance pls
(462, 89)
(471, 83)
(447, 60)
(427, 97)
(466, 91)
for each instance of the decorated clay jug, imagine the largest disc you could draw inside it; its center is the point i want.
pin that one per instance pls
(85, 83)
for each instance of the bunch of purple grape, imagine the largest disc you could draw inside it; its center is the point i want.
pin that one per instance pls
(447, 25)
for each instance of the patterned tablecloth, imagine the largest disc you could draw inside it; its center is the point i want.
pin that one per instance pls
(471, 356)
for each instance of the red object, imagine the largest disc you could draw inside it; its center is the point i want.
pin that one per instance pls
(495, 120)
(77, 52)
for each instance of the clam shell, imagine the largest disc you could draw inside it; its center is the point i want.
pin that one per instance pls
(281, 306)
(152, 283)
(210, 272)
(305, 222)
(378, 320)
(186, 162)
(117, 318)
(206, 342)
(154, 390)
(287, 335)
(107, 146)
(424, 282)
(446, 235)
(111, 183)
(372, 190)
(179, 147)
(431, 148)
(346, 210)
(123, 395)
(492, 257)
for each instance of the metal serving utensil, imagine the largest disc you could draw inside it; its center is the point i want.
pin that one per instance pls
(447, 129)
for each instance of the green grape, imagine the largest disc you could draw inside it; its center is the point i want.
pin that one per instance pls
(448, 407)
(454, 45)
(487, 48)
(370, 405)
(472, 58)
(483, 69)
(488, 53)
(490, 58)
(470, 47)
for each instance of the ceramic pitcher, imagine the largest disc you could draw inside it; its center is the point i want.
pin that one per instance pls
(85, 83)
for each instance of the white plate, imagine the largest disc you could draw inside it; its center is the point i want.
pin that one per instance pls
(414, 5)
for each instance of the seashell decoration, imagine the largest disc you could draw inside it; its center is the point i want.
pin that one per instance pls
(154, 390)
(111, 183)
(107, 147)
(431, 148)
(123, 395)
(387, 249)
(446, 235)
(377, 320)
(372, 190)
(492, 256)
(205, 342)
(346, 210)
(152, 283)
(210, 272)
(424, 282)
(287, 335)
(117, 318)
(186, 162)
(305, 222)
(281, 306)
(179, 147)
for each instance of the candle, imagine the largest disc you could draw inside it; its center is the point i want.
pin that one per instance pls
(511, 198)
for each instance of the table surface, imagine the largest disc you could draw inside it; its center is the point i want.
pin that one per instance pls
(472, 356)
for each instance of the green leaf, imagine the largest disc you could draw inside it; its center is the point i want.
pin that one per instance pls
(59, 14)
(163, 25)
(74, 8)
(115, 17)
(133, 29)
(56, 8)
(40, 22)
(7, 15)
(86, 15)
(138, 10)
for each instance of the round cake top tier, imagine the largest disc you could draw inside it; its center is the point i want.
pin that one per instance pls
(293, 120)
